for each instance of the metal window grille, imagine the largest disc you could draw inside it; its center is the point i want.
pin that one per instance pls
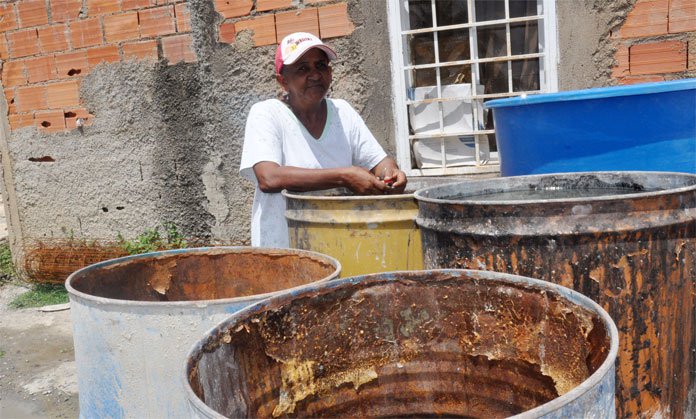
(449, 57)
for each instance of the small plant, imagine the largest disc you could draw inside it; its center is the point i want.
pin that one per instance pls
(151, 240)
(2, 353)
(6, 266)
(41, 295)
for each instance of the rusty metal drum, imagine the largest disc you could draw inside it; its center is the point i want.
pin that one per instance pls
(625, 239)
(135, 318)
(440, 343)
(367, 234)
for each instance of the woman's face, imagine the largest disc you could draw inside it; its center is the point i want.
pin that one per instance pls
(307, 79)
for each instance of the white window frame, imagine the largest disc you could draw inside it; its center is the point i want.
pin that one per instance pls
(548, 83)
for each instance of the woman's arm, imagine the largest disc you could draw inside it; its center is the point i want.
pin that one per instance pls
(274, 178)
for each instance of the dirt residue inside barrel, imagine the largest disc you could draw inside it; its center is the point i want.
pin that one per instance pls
(440, 347)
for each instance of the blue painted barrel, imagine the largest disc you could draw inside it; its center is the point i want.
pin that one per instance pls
(134, 318)
(439, 343)
(642, 127)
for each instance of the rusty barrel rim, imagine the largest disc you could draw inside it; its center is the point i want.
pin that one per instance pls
(74, 293)
(607, 366)
(306, 197)
(422, 194)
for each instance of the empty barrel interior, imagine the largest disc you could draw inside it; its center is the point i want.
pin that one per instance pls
(203, 274)
(408, 344)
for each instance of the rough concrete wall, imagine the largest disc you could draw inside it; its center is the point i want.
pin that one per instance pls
(586, 54)
(165, 141)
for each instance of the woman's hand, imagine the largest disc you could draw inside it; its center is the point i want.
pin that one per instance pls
(394, 178)
(363, 182)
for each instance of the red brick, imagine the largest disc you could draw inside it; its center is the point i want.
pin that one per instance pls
(136, 4)
(641, 79)
(226, 32)
(106, 54)
(305, 20)
(63, 94)
(23, 43)
(265, 5)
(145, 50)
(121, 27)
(8, 17)
(183, 17)
(682, 16)
(10, 97)
(101, 7)
(648, 18)
(157, 22)
(622, 65)
(13, 73)
(22, 120)
(658, 57)
(53, 38)
(30, 98)
(50, 121)
(65, 10)
(41, 69)
(233, 8)
(32, 13)
(178, 48)
(262, 28)
(4, 48)
(71, 115)
(86, 33)
(72, 64)
(334, 21)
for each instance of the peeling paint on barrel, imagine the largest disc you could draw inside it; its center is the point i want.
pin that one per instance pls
(134, 318)
(633, 253)
(410, 344)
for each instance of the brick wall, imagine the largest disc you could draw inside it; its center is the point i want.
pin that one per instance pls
(271, 20)
(653, 43)
(48, 46)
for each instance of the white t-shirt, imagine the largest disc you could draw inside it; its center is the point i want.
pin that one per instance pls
(273, 133)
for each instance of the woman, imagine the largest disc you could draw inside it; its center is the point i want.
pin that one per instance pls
(308, 142)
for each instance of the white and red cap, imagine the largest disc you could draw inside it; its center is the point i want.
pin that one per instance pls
(293, 46)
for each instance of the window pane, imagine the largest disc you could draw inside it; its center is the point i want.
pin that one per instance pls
(425, 77)
(421, 48)
(489, 10)
(451, 12)
(491, 41)
(494, 77)
(525, 75)
(524, 38)
(455, 74)
(520, 8)
(454, 45)
(420, 14)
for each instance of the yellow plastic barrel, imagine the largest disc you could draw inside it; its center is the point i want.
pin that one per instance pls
(367, 234)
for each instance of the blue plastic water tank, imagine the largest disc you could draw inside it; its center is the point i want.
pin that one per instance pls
(646, 127)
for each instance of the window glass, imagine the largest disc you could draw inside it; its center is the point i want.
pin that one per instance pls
(489, 10)
(452, 12)
(522, 8)
(494, 77)
(492, 41)
(524, 38)
(420, 14)
(421, 48)
(453, 45)
(525, 75)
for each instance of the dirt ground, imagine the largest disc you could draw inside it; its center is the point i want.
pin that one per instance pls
(38, 378)
(37, 367)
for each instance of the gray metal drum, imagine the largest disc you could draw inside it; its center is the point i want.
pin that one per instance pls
(135, 318)
(442, 343)
(625, 239)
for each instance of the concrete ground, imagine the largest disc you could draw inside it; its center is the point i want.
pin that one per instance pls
(38, 378)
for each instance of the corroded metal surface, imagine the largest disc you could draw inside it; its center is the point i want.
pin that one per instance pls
(410, 344)
(134, 318)
(366, 233)
(634, 254)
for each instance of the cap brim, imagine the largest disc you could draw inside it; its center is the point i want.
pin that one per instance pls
(329, 53)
